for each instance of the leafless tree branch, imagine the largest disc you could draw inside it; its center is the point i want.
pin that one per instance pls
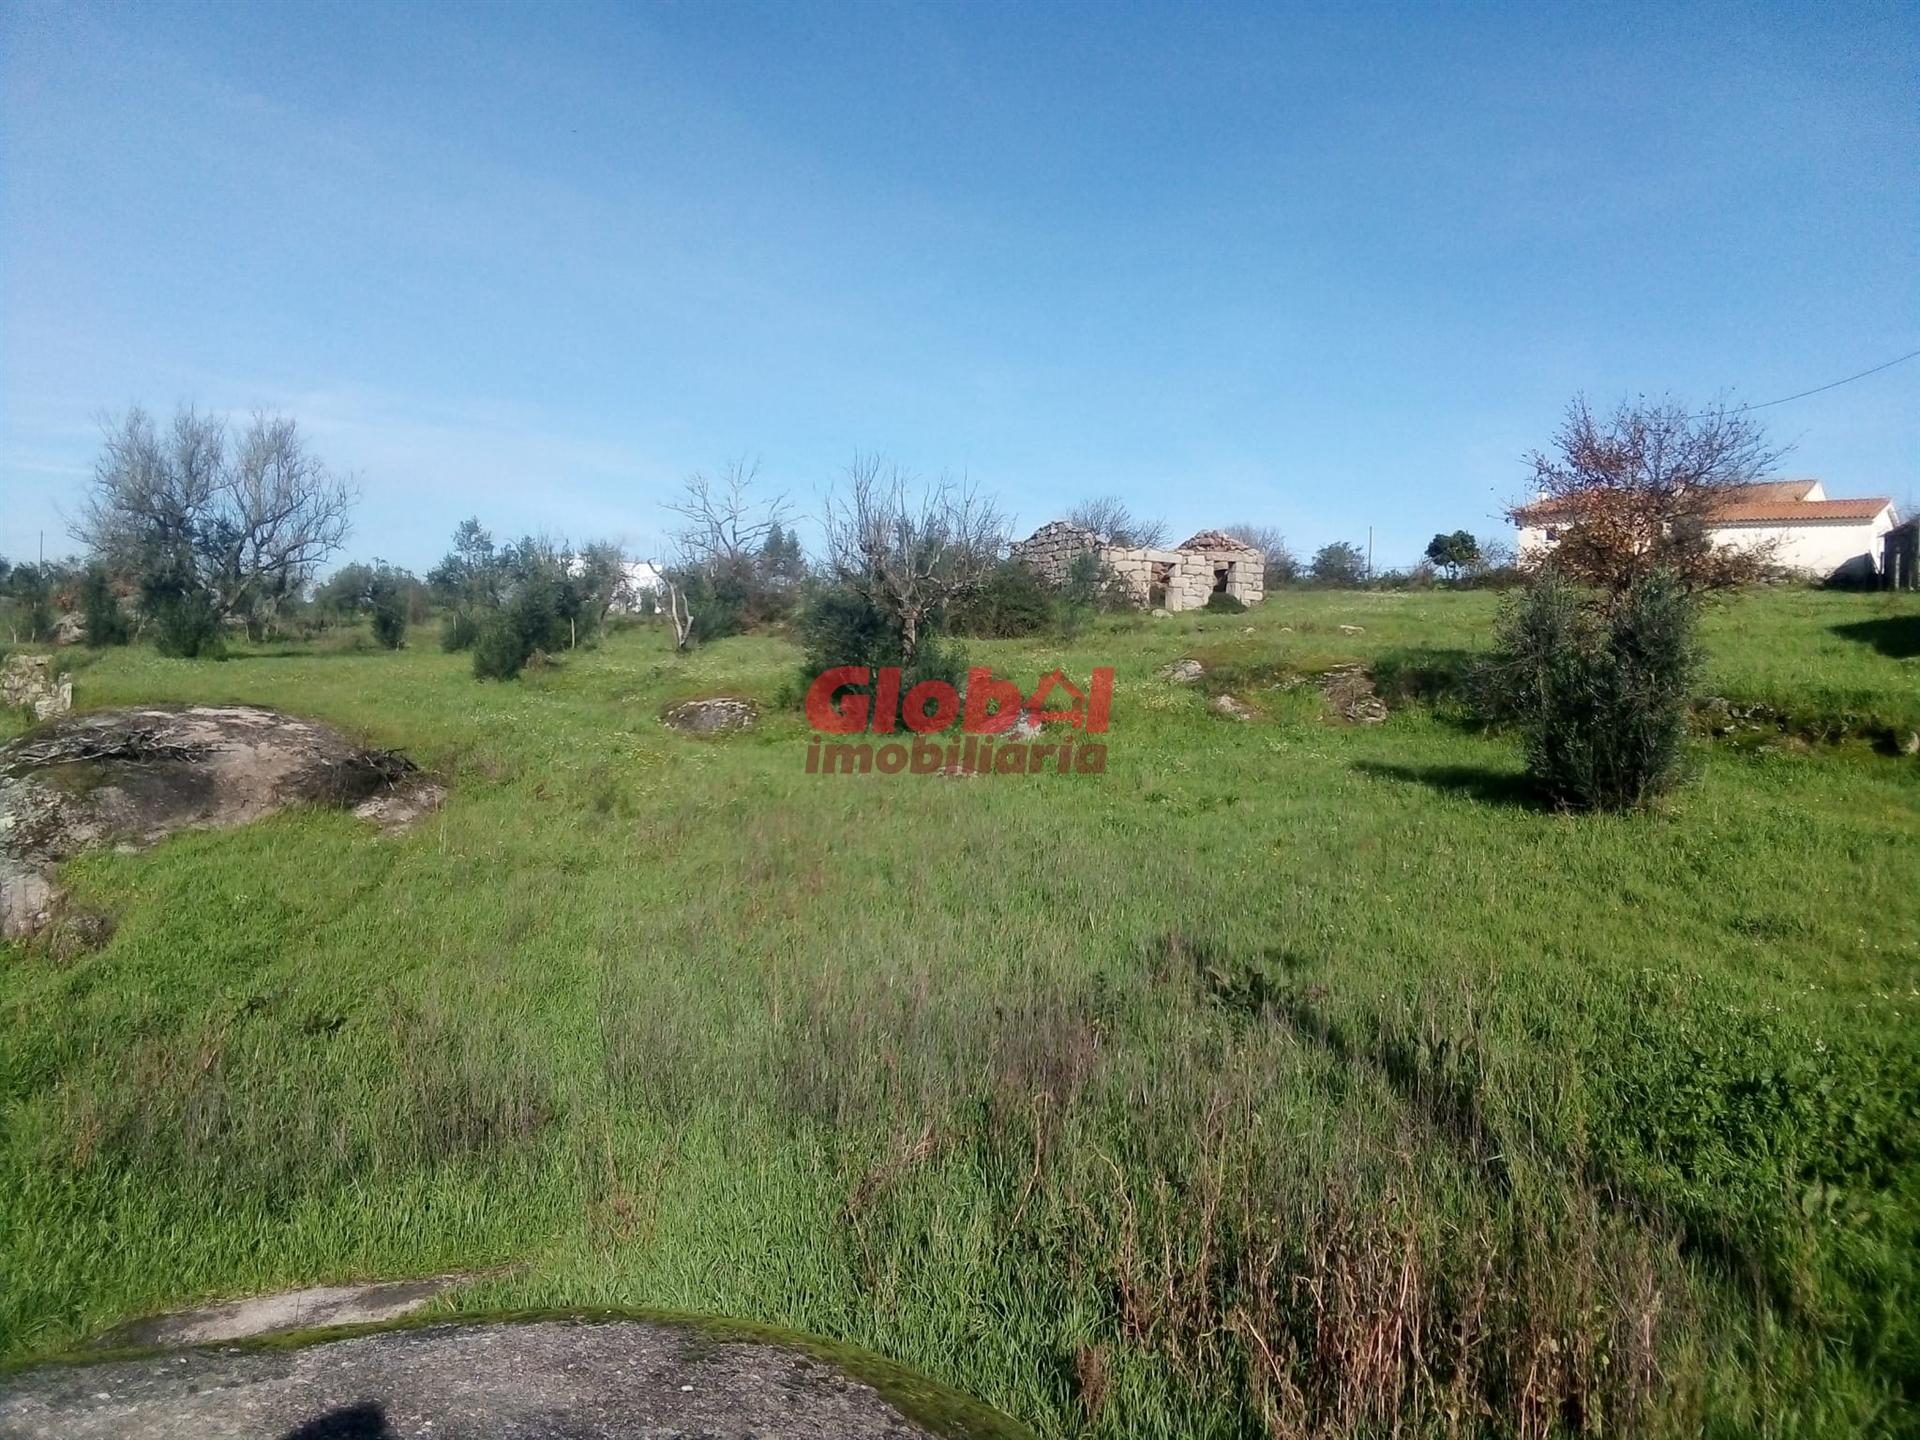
(907, 547)
(1110, 518)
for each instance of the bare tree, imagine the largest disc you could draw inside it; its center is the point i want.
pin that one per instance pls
(726, 524)
(1635, 492)
(279, 512)
(246, 522)
(908, 548)
(150, 491)
(1109, 518)
(678, 611)
(1280, 566)
(713, 588)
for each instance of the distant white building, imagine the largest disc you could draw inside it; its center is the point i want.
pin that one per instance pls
(638, 578)
(1813, 536)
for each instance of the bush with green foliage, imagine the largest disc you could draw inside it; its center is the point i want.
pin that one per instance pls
(459, 631)
(387, 599)
(839, 626)
(1601, 691)
(1340, 563)
(720, 596)
(1221, 603)
(530, 620)
(1010, 602)
(180, 610)
(502, 650)
(27, 602)
(1453, 552)
(106, 622)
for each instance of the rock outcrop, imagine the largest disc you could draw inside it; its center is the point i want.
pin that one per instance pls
(132, 777)
(710, 717)
(28, 682)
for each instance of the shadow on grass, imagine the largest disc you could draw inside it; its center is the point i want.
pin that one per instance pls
(1896, 636)
(1489, 787)
(1435, 676)
(294, 652)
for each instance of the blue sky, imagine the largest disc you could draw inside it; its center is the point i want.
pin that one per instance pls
(1321, 268)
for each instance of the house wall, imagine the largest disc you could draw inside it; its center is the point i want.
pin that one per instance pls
(1817, 549)
(1814, 548)
(1191, 580)
(1531, 540)
(1134, 568)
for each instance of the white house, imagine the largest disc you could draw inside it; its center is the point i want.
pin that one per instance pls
(1812, 535)
(637, 578)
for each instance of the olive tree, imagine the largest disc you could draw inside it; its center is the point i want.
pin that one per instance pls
(907, 548)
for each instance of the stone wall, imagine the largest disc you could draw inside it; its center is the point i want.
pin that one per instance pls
(1189, 573)
(1051, 550)
(1246, 572)
(29, 682)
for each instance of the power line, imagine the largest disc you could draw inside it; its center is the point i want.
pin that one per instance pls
(1834, 385)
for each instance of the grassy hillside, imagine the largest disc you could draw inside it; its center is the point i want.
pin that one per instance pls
(1288, 1075)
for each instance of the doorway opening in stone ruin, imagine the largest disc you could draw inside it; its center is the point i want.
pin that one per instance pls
(1222, 577)
(1159, 583)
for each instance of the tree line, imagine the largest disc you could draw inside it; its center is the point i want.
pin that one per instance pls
(206, 525)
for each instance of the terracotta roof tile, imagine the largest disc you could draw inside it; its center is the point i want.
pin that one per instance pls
(1764, 502)
(1740, 511)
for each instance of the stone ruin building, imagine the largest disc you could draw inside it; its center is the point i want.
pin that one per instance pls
(1210, 563)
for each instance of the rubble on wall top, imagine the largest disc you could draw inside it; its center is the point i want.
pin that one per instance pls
(1215, 540)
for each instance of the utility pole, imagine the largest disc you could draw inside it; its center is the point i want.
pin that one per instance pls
(1369, 552)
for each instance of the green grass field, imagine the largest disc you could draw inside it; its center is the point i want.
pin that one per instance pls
(1289, 1077)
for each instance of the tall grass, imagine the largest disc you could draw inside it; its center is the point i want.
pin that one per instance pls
(1290, 1078)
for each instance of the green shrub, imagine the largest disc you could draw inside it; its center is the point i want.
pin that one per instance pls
(106, 621)
(529, 622)
(185, 621)
(1012, 601)
(502, 649)
(839, 626)
(1222, 603)
(1600, 691)
(459, 632)
(388, 601)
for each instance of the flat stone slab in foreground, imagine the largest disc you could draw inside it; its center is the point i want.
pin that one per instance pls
(584, 1378)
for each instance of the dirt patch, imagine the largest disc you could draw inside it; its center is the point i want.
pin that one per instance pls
(132, 777)
(1349, 689)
